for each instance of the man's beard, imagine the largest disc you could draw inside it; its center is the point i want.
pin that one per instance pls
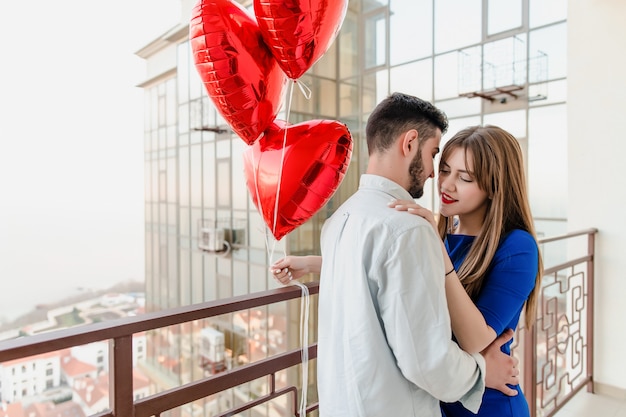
(416, 172)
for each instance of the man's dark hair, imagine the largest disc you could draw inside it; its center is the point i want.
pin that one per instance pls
(398, 113)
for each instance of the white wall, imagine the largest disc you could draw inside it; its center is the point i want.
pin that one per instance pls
(597, 160)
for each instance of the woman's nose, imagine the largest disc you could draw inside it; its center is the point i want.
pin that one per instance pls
(445, 184)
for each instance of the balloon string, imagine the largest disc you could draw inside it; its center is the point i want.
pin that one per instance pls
(306, 91)
(305, 301)
(304, 342)
(282, 157)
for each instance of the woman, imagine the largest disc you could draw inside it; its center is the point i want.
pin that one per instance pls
(492, 261)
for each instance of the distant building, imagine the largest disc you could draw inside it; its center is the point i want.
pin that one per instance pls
(11, 410)
(70, 378)
(24, 378)
(50, 409)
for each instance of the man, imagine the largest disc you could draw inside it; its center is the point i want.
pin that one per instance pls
(385, 346)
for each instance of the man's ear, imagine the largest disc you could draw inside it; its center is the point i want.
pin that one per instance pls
(409, 142)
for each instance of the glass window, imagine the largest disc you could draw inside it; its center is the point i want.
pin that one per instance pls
(258, 281)
(162, 217)
(148, 114)
(469, 65)
(369, 5)
(542, 12)
(240, 278)
(547, 149)
(503, 15)
(375, 41)
(210, 284)
(224, 268)
(348, 47)
(163, 270)
(196, 87)
(375, 89)
(184, 220)
(162, 186)
(460, 107)
(208, 175)
(183, 118)
(416, 15)
(183, 64)
(414, 78)
(552, 41)
(547, 93)
(185, 278)
(208, 113)
(224, 283)
(195, 114)
(458, 23)
(196, 136)
(172, 217)
(154, 181)
(147, 178)
(513, 122)
(222, 148)
(154, 108)
(170, 133)
(162, 133)
(195, 177)
(240, 188)
(183, 175)
(326, 66)
(326, 99)
(170, 103)
(299, 102)
(258, 229)
(348, 99)
(446, 76)
(147, 142)
(223, 185)
(171, 180)
(162, 106)
(456, 125)
(196, 277)
(148, 254)
(504, 63)
(183, 139)
(147, 212)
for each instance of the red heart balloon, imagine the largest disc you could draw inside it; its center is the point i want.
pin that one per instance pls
(239, 72)
(316, 156)
(299, 32)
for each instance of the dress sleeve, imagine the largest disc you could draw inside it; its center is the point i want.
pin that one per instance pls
(415, 318)
(509, 281)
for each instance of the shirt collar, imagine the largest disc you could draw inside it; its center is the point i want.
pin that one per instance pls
(384, 184)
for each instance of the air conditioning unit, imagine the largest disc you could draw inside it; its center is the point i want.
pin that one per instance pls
(212, 239)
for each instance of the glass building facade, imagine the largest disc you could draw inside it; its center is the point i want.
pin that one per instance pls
(499, 62)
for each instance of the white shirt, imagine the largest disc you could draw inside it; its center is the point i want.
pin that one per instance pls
(385, 346)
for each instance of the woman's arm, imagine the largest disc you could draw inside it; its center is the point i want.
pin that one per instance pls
(468, 324)
(295, 267)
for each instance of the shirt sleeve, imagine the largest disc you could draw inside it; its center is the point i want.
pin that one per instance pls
(415, 318)
(509, 281)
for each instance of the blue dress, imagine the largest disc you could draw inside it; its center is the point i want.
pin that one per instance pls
(509, 281)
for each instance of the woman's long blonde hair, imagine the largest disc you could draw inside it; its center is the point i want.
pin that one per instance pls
(498, 168)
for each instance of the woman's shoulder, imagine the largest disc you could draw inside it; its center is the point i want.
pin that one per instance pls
(519, 235)
(518, 239)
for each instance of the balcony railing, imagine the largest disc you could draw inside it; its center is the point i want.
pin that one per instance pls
(556, 354)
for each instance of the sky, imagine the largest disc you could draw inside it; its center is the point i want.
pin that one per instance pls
(71, 145)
